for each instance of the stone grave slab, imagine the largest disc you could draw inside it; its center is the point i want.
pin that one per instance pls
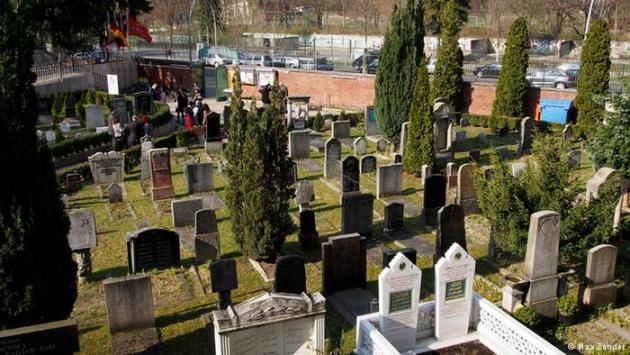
(161, 180)
(332, 158)
(74, 183)
(207, 242)
(60, 337)
(82, 234)
(223, 279)
(356, 213)
(107, 168)
(394, 217)
(152, 248)
(466, 195)
(146, 145)
(350, 175)
(434, 197)
(318, 144)
(115, 193)
(199, 177)
(389, 180)
(360, 146)
(183, 211)
(351, 303)
(388, 255)
(309, 165)
(450, 229)
(600, 274)
(344, 263)
(299, 144)
(308, 236)
(341, 129)
(290, 275)
(368, 164)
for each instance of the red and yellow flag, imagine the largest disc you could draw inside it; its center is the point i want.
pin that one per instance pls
(118, 34)
(139, 30)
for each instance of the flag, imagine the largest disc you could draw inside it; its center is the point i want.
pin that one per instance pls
(139, 30)
(117, 34)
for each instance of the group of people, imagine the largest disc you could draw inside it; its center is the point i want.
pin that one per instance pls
(191, 112)
(129, 134)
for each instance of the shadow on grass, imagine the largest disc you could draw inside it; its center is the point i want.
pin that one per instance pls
(103, 274)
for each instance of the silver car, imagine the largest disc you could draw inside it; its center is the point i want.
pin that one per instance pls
(550, 77)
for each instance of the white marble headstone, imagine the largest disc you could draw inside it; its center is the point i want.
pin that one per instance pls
(399, 294)
(454, 278)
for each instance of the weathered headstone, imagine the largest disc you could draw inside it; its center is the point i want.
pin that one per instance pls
(107, 167)
(600, 275)
(399, 292)
(207, 241)
(183, 211)
(120, 105)
(60, 337)
(360, 146)
(602, 177)
(82, 234)
(451, 229)
(94, 116)
(394, 217)
(441, 134)
(389, 180)
(115, 193)
(161, 180)
(146, 145)
(308, 236)
(300, 144)
(341, 129)
(199, 177)
(541, 262)
(357, 214)
(304, 193)
(404, 131)
(332, 158)
(409, 253)
(466, 195)
(454, 279)
(525, 142)
(371, 126)
(368, 164)
(518, 168)
(425, 172)
(434, 197)
(344, 263)
(381, 146)
(290, 275)
(152, 248)
(350, 175)
(224, 279)
(73, 182)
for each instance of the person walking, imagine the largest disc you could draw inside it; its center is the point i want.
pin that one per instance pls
(189, 117)
(148, 127)
(205, 112)
(182, 100)
(118, 142)
(133, 131)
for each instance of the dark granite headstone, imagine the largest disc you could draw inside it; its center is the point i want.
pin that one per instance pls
(61, 337)
(293, 172)
(308, 236)
(434, 197)
(398, 158)
(213, 127)
(357, 214)
(451, 229)
(223, 278)
(394, 217)
(73, 182)
(290, 276)
(152, 248)
(344, 263)
(350, 175)
(227, 112)
(409, 253)
(475, 155)
(368, 164)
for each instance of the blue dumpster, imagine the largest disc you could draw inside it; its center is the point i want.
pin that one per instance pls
(555, 110)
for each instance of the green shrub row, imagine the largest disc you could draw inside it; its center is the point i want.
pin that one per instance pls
(499, 124)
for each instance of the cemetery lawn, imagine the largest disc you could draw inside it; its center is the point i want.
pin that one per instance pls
(181, 295)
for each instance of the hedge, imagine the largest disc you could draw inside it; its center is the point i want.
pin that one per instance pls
(498, 124)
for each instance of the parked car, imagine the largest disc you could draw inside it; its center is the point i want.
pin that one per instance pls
(550, 77)
(260, 60)
(278, 61)
(244, 58)
(488, 71)
(215, 60)
(565, 67)
(373, 66)
(292, 62)
(318, 63)
(357, 64)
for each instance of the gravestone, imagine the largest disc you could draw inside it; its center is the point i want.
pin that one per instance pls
(394, 217)
(82, 234)
(466, 195)
(525, 142)
(388, 255)
(94, 116)
(575, 157)
(451, 229)
(143, 102)
(350, 175)
(224, 279)
(199, 177)
(541, 262)
(341, 129)
(381, 146)
(332, 158)
(460, 136)
(454, 279)
(300, 144)
(425, 172)
(60, 337)
(451, 174)
(360, 146)
(115, 193)
(290, 275)
(404, 131)
(271, 323)
(227, 112)
(389, 180)
(44, 112)
(73, 182)
(434, 197)
(600, 275)
(183, 211)
(474, 155)
(207, 241)
(368, 164)
(371, 126)
(304, 193)
(130, 315)
(120, 105)
(308, 236)
(441, 133)
(51, 137)
(293, 172)
(107, 167)
(602, 177)
(398, 158)
(398, 295)
(146, 145)
(518, 169)
(357, 213)
(214, 135)
(343, 263)
(152, 248)
(449, 136)
(567, 133)
(161, 180)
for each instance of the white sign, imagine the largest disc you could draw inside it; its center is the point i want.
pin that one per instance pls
(266, 77)
(399, 294)
(112, 84)
(247, 77)
(454, 278)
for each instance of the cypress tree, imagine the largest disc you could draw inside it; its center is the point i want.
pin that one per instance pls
(234, 157)
(420, 148)
(447, 78)
(512, 85)
(37, 273)
(400, 56)
(593, 78)
(433, 9)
